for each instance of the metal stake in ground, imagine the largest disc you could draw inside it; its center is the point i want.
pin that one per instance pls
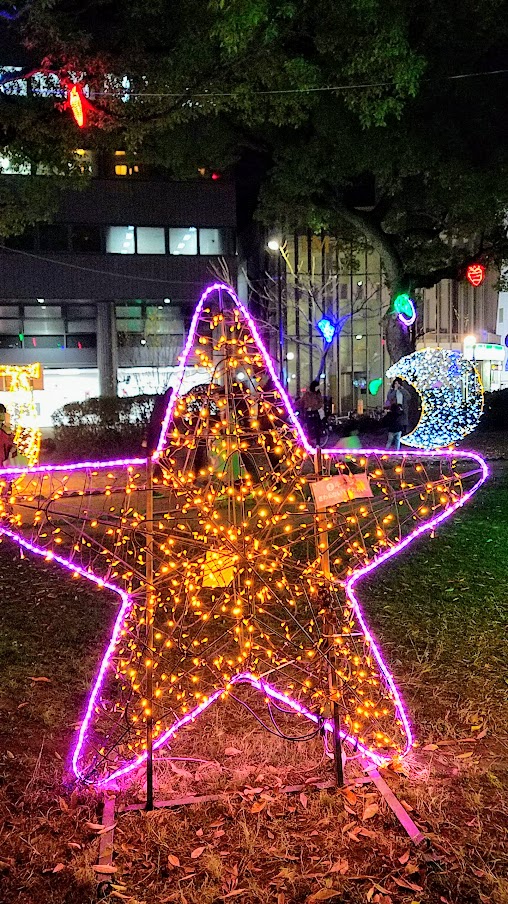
(323, 552)
(149, 634)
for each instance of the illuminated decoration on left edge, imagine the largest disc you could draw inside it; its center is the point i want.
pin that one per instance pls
(404, 306)
(259, 622)
(18, 381)
(451, 395)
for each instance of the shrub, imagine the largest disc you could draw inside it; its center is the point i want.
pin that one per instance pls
(495, 411)
(102, 428)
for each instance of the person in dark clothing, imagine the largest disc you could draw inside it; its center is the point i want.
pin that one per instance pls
(310, 405)
(394, 422)
(156, 420)
(399, 395)
(8, 450)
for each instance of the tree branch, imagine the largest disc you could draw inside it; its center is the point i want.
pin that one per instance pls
(380, 240)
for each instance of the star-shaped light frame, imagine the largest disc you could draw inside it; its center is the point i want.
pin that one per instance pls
(367, 533)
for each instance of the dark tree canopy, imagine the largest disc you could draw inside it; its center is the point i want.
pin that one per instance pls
(244, 83)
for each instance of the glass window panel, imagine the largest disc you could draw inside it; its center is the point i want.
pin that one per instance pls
(46, 85)
(81, 310)
(9, 326)
(216, 241)
(9, 310)
(86, 239)
(44, 342)
(120, 240)
(54, 237)
(151, 240)
(44, 327)
(130, 326)
(10, 342)
(128, 310)
(82, 340)
(42, 311)
(17, 86)
(81, 326)
(9, 168)
(183, 240)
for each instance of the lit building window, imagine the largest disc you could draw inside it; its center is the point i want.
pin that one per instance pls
(18, 86)
(121, 169)
(120, 240)
(9, 168)
(183, 240)
(216, 241)
(151, 240)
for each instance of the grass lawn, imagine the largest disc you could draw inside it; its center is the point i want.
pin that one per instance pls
(441, 613)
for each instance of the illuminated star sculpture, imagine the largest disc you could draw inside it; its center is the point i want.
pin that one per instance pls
(241, 567)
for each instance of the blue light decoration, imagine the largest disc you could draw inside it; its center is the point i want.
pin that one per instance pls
(404, 306)
(451, 394)
(327, 328)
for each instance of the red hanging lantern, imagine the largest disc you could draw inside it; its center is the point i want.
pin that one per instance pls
(475, 274)
(77, 103)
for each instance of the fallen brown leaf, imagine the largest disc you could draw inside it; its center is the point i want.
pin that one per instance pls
(370, 811)
(197, 853)
(173, 860)
(404, 858)
(59, 867)
(405, 883)
(184, 773)
(324, 894)
(350, 796)
(258, 806)
(31, 678)
(232, 751)
(104, 868)
(303, 800)
(341, 866)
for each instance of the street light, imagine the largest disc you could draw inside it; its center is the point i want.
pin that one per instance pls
(274, 245)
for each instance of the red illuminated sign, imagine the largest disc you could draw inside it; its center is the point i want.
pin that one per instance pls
(475, 274)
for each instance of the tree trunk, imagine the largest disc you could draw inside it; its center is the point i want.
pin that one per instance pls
(400, 340)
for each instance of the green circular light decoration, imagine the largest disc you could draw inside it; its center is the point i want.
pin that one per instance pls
(404, 306)
(375, 386)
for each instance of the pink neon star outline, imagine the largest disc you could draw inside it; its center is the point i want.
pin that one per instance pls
(349, 585)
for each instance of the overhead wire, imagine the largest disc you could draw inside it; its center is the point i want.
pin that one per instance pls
(125, 92)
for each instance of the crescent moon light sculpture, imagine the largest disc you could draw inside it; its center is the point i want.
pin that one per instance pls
(451, 396)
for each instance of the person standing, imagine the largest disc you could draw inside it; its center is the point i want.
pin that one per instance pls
(399, 395)
(394, 421)
(310, 405)
(8, 449)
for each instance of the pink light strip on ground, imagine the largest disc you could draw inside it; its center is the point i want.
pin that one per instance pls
(14, 473)
(127, 600)
(265, 688)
